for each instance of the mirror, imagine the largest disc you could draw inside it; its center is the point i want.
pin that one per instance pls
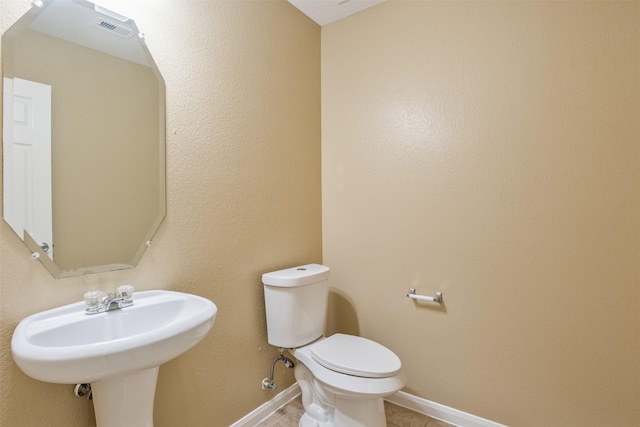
(83, 137)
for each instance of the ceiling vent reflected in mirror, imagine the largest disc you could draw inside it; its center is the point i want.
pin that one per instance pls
(111, 28)
(78, 22)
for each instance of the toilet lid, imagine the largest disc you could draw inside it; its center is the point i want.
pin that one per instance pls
(356, 356)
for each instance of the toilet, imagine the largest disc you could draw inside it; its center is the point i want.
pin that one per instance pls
(343, 378)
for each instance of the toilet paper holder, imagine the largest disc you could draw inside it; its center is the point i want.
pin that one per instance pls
(436, 298)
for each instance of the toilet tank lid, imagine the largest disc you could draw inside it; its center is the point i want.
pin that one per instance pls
(297, 276)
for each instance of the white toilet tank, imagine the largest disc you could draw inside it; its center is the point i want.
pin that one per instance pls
(296, 303)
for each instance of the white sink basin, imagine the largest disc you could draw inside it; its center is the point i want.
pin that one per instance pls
(65, 345)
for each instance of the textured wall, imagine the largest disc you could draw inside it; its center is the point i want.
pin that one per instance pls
(490, 150)
(243, 196)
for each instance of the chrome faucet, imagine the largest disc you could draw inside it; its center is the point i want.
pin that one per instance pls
(98, 303)
(111, 302)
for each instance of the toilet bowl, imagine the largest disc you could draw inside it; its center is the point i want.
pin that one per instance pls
(343, 378)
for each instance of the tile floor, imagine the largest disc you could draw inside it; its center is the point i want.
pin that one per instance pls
(397, 416)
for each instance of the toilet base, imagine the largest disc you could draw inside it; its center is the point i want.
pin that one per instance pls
(327, 407)
(307, 421)
(359, 413)
(353, 414)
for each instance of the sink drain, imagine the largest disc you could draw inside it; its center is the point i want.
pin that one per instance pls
(83, 390)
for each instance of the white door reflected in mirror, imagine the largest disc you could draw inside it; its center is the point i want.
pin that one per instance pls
(27, 165)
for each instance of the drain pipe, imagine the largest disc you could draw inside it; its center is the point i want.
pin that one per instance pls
(83, 390)
(268, 383)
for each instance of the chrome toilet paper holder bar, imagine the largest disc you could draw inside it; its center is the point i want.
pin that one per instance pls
(436, 298)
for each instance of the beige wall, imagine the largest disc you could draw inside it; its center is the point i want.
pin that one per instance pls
(243, 196)
(490, 150)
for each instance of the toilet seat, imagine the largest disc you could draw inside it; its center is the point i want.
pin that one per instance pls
(341, 383)
(357, 356)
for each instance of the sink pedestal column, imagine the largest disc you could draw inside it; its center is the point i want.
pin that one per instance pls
(125, 401)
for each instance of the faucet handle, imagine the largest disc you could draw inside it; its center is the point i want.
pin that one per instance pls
(125, 291)
(93, 299)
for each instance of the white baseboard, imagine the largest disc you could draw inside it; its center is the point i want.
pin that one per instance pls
(406, 400)
(439, 412)
(268, 408)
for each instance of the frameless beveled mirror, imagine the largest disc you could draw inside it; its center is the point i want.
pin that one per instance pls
(83, 137)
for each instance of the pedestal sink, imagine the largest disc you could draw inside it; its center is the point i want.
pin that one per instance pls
(119, 352)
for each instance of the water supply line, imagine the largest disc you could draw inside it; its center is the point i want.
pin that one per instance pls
(268, 383)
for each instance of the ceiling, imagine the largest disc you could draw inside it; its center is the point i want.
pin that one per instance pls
(327, 11)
